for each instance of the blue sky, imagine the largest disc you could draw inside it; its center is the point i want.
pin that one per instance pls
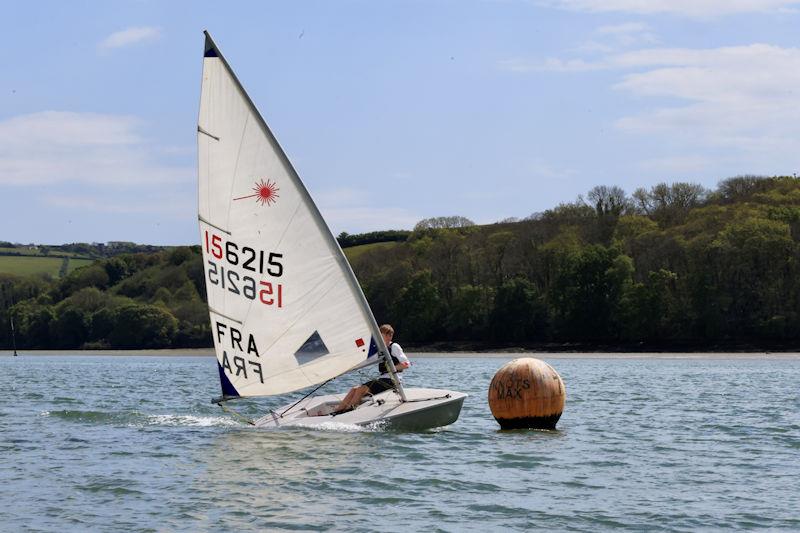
(391, 111)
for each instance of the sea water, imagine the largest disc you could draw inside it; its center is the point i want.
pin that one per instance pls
(113, 443)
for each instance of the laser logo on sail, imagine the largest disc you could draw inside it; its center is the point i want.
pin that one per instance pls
(266, 192)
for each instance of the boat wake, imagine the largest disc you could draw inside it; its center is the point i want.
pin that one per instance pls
(93, 417)
(138, 419)
(335, 427)
(191, 421)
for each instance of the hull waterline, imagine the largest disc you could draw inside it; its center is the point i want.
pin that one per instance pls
(425, 409)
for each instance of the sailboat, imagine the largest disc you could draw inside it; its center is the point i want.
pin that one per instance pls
(286, 310)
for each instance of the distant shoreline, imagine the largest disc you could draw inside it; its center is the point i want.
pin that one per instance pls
(172, 352)
(209, 352)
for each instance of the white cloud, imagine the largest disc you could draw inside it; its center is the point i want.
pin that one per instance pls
(80, 148)
(351, 210)
(361, 219)
(608, 39)
(67, 129)
(520, 65)
(130, 36)
(180, 206)
(690, 8)
(679, 166)
(343, 196)
(627, 28)
(541, 169)
(743, 97)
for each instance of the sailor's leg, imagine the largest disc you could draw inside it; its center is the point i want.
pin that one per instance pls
(352, 399)
(377, 386)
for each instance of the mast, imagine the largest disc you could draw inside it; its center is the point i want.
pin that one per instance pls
(13, 336)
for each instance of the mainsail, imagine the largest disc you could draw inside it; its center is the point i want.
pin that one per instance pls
(286, 310)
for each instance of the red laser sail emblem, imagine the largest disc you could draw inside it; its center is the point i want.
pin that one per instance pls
(266, 192)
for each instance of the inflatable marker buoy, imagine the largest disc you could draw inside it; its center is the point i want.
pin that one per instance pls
(527, 393)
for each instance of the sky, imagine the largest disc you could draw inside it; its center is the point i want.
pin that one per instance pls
(391, 111)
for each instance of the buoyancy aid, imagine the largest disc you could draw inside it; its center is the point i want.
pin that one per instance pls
(382, 365)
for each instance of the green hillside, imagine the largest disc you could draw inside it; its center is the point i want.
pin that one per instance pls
(52, 266)
(24, 266)
(674, 265)
(667, 267)
(59, 260)
(145, 300)
(355, 252)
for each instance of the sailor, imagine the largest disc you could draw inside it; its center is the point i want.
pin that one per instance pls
(384, 381)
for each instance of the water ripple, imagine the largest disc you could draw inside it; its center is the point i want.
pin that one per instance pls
(673, 445)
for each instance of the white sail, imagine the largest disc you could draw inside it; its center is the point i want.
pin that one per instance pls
(286, 310)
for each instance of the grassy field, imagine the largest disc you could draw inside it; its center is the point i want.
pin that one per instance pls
(20, 250)
(77, 263)
(354, 252)
(23, 266)
(36, 251)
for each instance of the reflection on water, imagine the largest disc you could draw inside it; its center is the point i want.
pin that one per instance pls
(133, 443)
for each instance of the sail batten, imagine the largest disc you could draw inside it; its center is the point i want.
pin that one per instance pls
(278, 284)
(201, 219)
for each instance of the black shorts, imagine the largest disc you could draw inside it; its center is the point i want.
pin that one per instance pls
(376, 386)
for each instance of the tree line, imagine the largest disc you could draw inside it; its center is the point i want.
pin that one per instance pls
(82, 249)
(671, 265)
(129, 301)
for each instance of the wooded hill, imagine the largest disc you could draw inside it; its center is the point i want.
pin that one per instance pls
(142, 300)
(672, 266)
(668, 267)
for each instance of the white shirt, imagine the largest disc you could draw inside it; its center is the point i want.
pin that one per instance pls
(397, 351)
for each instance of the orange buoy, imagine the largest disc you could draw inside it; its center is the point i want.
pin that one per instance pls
(527, 393)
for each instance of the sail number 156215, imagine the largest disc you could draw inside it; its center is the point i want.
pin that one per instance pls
(267, 292)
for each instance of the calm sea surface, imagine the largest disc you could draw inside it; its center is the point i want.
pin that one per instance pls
(132, 443)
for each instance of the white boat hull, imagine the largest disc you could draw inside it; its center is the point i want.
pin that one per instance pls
(425, 408)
